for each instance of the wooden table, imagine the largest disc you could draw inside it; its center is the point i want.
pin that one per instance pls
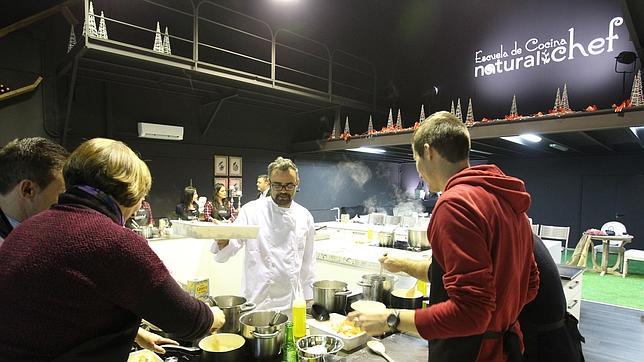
(606, 239)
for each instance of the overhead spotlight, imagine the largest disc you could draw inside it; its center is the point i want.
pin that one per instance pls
(637, 131)
(368, 150)
(530, 137)
(559, 147)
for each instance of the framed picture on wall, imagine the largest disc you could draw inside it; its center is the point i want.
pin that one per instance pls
(221, 165)
(235, 164)
(221, 180)
(235, 182)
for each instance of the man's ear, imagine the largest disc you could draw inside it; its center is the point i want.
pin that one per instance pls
(428, 151)
(27, 189)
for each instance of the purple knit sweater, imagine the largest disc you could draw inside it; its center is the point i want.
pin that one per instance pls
(71, 274)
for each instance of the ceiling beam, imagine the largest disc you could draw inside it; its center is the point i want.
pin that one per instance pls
(549, 140)
(34, 18)
(596, 141)
(637, 138)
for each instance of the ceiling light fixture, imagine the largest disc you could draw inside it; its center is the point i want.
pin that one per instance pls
(530, 137)
(481, 152)
(368, 150)
(515, 139)
(635, 130)
(559, 147)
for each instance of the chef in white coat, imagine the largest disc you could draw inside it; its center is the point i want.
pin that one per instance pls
(280, 262)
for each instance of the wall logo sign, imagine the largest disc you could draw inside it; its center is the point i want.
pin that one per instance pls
(536, 52)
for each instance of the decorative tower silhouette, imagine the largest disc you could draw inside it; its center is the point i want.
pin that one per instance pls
(398, 121)
(564, 99)
(469, 119)
(422, 113)
(636, 92)
(72, 39)
(390, 120)
(334, 131)
(102, 28)
(89, 27)
(166, 42)
(459, 114)
(346, 126)
(370, 126)
(158, 42)
(513, 109)
(557, 101)
(452, 108)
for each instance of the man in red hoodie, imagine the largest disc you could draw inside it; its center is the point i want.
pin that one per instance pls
(483, 270)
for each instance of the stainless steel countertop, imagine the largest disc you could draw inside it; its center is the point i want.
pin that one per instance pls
(400, 347)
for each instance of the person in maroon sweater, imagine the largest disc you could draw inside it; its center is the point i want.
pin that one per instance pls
(74, 283)
(483, 269)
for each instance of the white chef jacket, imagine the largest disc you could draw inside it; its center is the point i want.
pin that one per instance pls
(281, 259)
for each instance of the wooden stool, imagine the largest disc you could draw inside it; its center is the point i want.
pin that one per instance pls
(632, 254)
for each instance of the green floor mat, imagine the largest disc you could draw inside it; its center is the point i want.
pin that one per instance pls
(613, 289)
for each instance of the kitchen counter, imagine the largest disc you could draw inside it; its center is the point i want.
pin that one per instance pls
(400, 347)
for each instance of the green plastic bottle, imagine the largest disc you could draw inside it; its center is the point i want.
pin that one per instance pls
(289, 351)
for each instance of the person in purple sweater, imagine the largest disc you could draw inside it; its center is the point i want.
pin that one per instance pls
(74, 283)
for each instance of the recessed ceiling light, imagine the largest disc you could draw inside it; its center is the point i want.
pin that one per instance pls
(515, 139)
(531, 137)
(635, 130)
(368, 150)
(559, 147)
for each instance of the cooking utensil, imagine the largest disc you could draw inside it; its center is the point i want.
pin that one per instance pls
(315, 348)
(332, 294)
(265, 340)
(417, 237)
(410, 293)
(233, 307)
(275, 319)
(379, 348)
(319, 312)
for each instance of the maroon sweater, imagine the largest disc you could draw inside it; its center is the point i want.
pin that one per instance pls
(481, 237)
(72, 274)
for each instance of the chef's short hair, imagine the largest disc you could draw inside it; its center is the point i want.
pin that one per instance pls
(283, 164)
(446, 134)
(32, 158)
(110, 166)
(263, 177)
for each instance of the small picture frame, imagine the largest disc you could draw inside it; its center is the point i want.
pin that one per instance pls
(235, 166)
(221, 165)
(221, 180)
(235, 182)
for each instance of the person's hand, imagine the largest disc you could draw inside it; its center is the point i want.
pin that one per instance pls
(374, 324)
(151, 341)
(222, 243)
(391, 263)
(218, 319)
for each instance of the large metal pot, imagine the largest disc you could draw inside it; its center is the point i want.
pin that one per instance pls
(332, 294)
(377, 219)
(392, 220)
(265, 340)
(233, 307)
(386, 238)
(417, 238)
(377, 287)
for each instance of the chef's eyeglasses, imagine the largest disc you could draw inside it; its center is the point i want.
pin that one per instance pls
(280, 187)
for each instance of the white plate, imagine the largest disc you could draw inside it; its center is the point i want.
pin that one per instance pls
(208, 230)
(327, 328)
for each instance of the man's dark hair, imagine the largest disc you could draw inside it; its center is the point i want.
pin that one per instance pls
(33, 158)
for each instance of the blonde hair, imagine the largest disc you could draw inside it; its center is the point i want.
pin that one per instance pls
(445, 133)
(282, 164)
(110, 166)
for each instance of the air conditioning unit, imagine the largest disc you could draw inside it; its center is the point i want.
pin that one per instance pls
(160, 131)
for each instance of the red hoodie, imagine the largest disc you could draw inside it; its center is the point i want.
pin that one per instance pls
(481, 237)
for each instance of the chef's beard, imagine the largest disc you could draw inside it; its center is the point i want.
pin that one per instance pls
(283, 199)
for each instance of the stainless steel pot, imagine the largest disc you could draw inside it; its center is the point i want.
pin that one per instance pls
(377, 287)
(417, 238)
(233, 307)
(392, 220)
(386, 238)
(377, 219)
(265, 340)
(332, 294)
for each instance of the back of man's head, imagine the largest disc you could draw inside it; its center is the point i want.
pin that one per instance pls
(33, 158)
(446, 134)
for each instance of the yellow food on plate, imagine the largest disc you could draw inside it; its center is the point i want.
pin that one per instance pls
(143, 356)
(347, 328)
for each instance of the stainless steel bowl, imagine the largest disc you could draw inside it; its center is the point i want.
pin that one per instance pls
(332, 294)
(307, 347)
